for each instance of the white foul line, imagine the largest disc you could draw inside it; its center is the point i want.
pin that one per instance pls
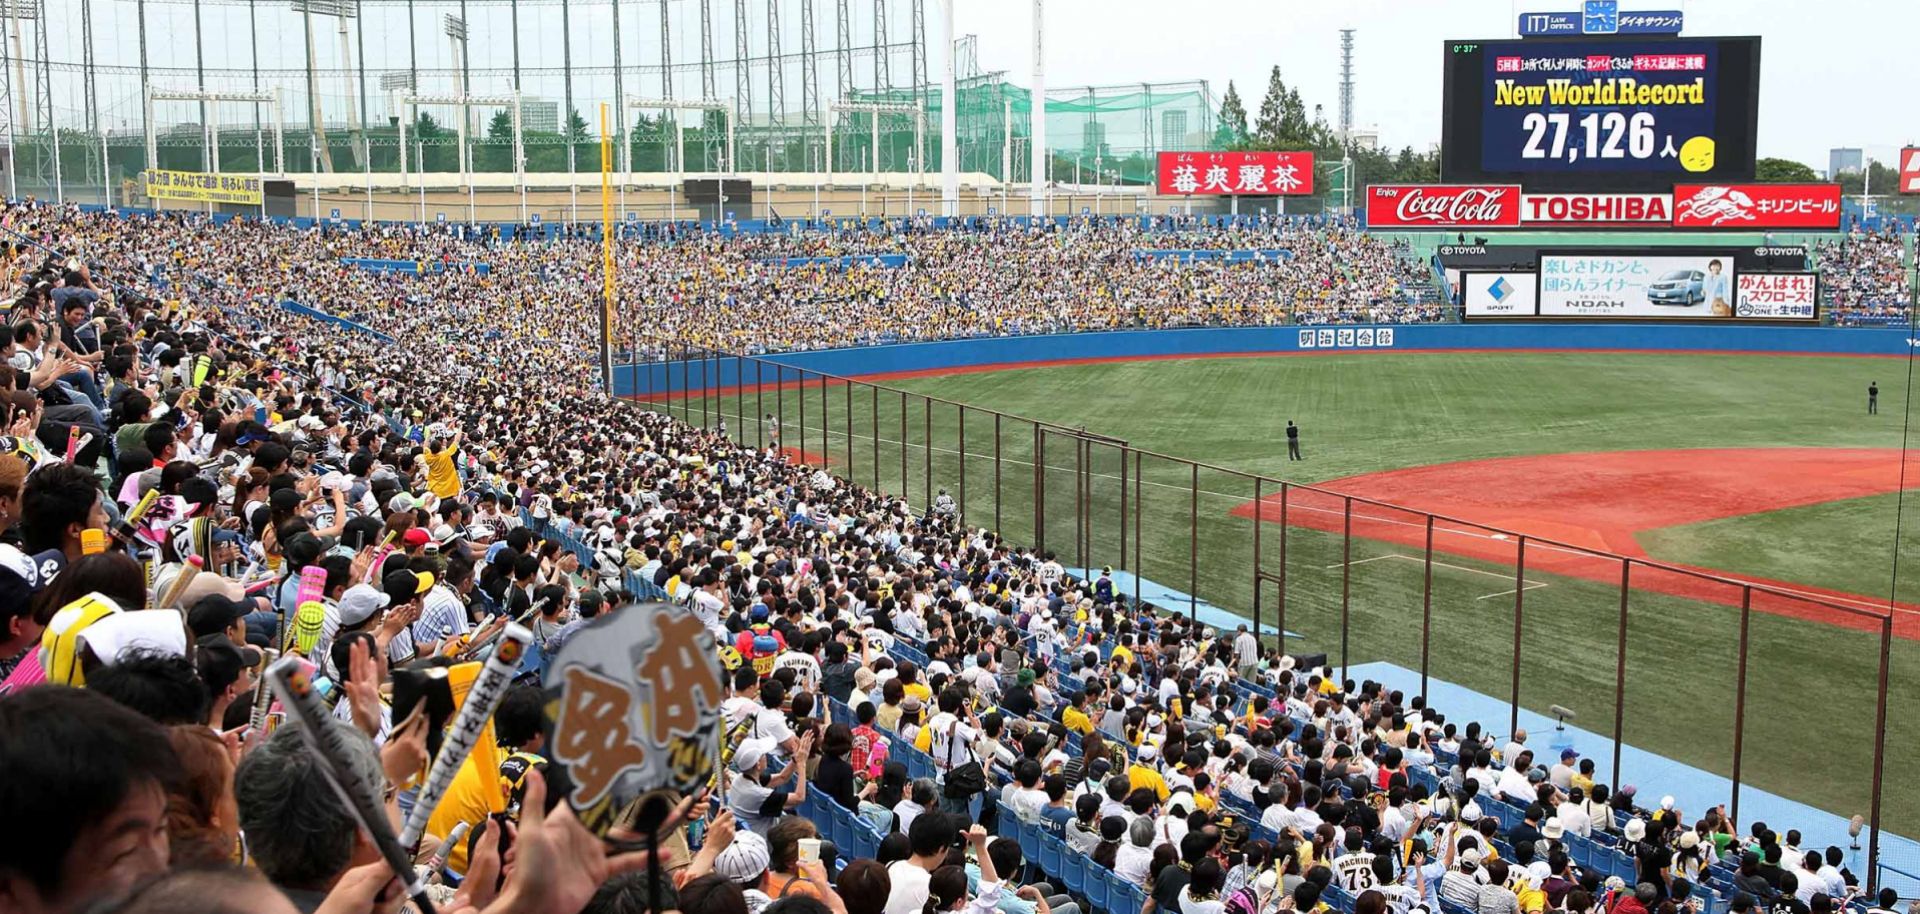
(1529, 585)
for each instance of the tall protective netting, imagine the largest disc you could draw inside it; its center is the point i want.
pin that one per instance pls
(1096, 134)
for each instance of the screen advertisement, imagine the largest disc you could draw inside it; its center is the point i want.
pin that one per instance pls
(1499, 294)
(1586, 114)
(1609, 284)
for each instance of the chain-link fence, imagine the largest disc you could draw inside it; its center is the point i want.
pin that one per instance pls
(1677, 673)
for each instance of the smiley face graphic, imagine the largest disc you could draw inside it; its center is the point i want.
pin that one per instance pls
(1696, 154)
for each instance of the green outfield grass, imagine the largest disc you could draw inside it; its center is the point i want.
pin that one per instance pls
(1811, 685)
(1844, 545)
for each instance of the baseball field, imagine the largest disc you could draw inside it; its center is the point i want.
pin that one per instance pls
(1743, 468)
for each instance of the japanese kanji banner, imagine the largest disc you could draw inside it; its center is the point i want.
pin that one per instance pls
(1783, 206)
(1777, 296)
(1251, 174)
(202, 187)
(633, 712)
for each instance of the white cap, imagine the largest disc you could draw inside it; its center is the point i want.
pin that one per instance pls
(751, 751)
(1666, 802)
(148, 629)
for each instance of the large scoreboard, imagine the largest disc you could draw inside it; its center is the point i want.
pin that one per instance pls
(1600, 114)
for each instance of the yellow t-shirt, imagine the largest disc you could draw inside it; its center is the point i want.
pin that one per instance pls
(474, 795)
(1077, 721)
(442, 479)
(1139, 776)
(1122, 654)
(921, 691)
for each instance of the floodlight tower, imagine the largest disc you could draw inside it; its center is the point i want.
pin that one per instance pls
(1346, 85)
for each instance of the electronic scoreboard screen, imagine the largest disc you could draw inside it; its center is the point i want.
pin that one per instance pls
(1600, 114)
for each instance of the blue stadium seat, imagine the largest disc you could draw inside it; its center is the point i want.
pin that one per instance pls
(1073, 872)
(1029, 840)
(1053, 854)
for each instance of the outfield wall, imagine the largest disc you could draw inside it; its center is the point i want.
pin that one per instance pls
(655, 379)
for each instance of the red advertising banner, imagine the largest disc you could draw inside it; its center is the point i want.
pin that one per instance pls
(1250, 174)
(1443, 205)
(1737, 206)
(1910, 170)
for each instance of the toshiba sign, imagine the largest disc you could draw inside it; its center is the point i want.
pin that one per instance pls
(1548, 210)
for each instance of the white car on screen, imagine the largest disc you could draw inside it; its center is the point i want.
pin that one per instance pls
(1678, 287)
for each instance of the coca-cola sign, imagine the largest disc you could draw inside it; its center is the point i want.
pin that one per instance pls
(1443, 205)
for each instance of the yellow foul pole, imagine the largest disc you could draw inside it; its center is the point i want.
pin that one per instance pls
(606, 253)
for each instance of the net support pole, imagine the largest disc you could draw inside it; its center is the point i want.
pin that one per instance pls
(1193, 546)
(1426, 609)
(1879, 752)
(1740, 695)
(963, 460)
(1620, 668)
(1519, 592)
(1346, 578)
(1280, 608)
(1257, 485)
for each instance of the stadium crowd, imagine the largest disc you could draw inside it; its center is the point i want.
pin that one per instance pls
(1864, 277)
(959, 694)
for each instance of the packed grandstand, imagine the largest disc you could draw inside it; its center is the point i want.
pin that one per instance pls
(965, 724)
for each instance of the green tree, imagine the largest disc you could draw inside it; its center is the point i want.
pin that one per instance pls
(1232, 129)
(1782, 170)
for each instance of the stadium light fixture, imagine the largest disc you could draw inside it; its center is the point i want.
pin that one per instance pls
(680, 130)
(195, 95)
(876, 109)
(340, 9)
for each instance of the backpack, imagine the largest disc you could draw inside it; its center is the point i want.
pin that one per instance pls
(765, 649)
(1241, 901)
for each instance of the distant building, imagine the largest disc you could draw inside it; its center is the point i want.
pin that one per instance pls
(1842, 160)
(1365, 138)
(539, 114)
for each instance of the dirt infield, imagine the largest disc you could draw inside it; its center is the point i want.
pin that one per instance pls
(1601, 501)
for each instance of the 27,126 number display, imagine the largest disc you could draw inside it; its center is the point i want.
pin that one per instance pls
(1600, 114)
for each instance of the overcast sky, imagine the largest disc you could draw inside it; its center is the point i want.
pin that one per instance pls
(1829, 70)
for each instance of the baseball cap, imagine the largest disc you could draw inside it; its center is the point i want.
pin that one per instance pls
(361, 602)
(214, 613)
(444, 534)
(15, 563)
(1569, 754)
(249, 655)
(404, 585)
(146, 629)
(744, 860)
(415, 537)
(401, 502)
(250, 437)
(751, 751)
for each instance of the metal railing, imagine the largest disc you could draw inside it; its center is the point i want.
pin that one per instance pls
(1711, 671)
